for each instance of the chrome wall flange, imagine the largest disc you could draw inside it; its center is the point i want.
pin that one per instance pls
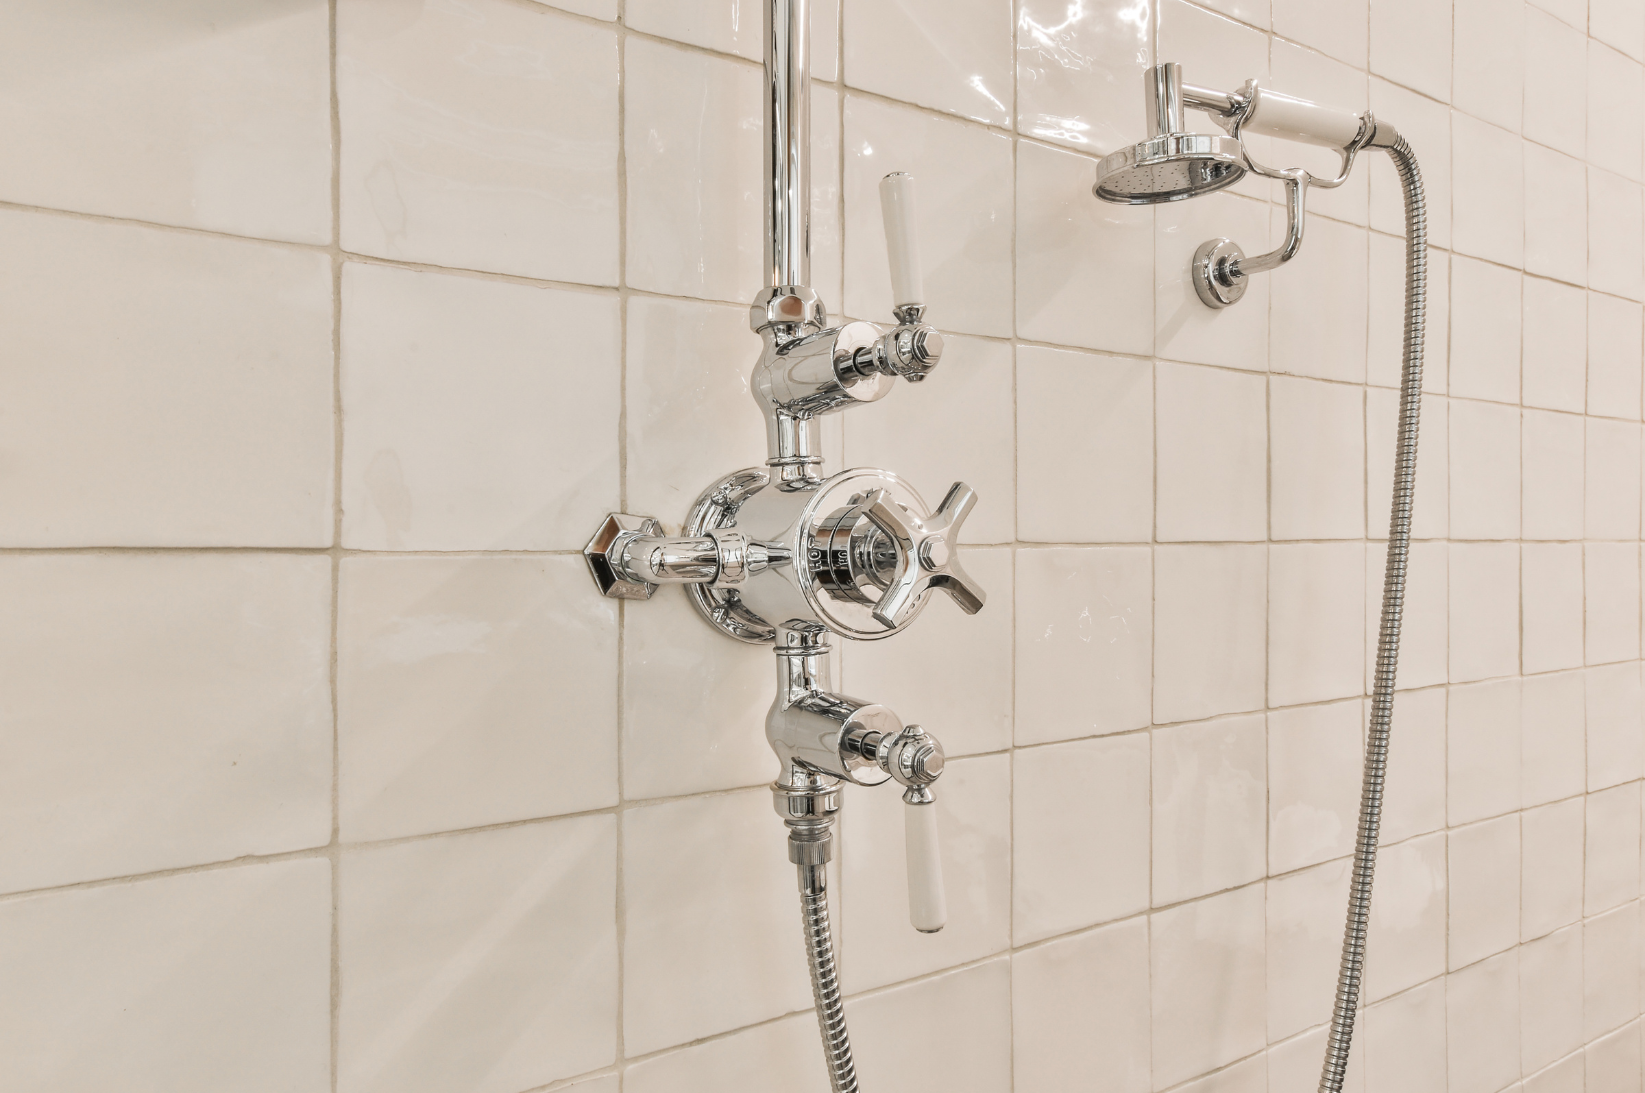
(1216, 276)
(716, 509)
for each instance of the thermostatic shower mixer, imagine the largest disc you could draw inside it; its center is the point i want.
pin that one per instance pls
(783, 555)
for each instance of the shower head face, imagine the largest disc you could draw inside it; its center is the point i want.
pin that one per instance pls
(1169, 167)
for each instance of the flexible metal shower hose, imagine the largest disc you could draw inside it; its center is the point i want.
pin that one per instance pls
(825, 983)
(1393, 602)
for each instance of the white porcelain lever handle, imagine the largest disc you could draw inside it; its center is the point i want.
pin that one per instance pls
(901, 244)
(927, 902)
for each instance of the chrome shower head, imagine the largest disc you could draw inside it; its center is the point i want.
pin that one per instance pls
(1171, 167)
(1172, 164)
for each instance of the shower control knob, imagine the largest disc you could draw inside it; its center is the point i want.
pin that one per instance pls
(927, 553)
(915, 759)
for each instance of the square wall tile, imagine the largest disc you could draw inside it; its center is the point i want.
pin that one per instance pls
(1316, 438)
(1489, 224)
(708, 936)
(1484, 889)
(200, 116)
(1218, 941)
(1551, 877)
(1555, 346)
(1566, 1076)
(162, 710)
(1209, 800)
(972, 654)
(1612, 1062)
(1424, 624)
(466, 428)
(947, 1034)
(1082, 613)
(1610, 970)
(1482, 735)
(1411, 44)
(1082, 265)
(1485, 331)
(1612, 574)
(1619, 24)
(1211, 460)
(1250, 1075)
(1431, 515)
(1415, 793)
(1080, 824)
(1553, 763)
(1314, 757)
(1310, 311)
(518, 923)
(1079, 1012)
(1613, 458)
(1210, 615)
(692, 128)
(472, 691)
(1080, 409)
(1611, 853)
(964, 180)
(688, 361)
(1552, 448)
(782, 1051)
(1550, 998)
(950, 55)
(1612, 702)
(1614, 226)
(1482, 1025)
(1304, 946)
(971, 395)
(1556, 81)
(1337, 30)
(974, 817)
(1483, 584)
(1080, 72)
(1316, 626)
(720, 686)
(162, 388)
(1408, 916)
(144, 986)
(481, 137)
(1613, 357)
(1404, 1042)
(1551, 602)
(1615, 116)
(1215, 51)
(1184, 328)
(1489, 80)
(1485, 470)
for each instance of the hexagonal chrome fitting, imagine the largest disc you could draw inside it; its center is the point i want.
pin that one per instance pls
(787, 306)
(607, 576)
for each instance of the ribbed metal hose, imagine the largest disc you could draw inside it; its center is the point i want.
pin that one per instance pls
(825, 983)
(1393, 602)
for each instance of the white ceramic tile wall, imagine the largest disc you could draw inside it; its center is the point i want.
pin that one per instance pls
(333, 326)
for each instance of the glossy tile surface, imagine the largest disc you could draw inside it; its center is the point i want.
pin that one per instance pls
(479, 136)
(211, 115)
(161, 711)
(951, 55)
(447, 444)
(471, 691)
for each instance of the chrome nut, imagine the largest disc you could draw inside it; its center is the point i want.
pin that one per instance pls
(617, 528)
(787, 306)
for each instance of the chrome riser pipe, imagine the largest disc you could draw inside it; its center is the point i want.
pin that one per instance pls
(788, 157)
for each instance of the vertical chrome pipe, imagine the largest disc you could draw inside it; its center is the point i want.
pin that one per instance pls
(1163, 90)
(787, 162)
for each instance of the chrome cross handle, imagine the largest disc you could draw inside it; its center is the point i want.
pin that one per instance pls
(927, 554)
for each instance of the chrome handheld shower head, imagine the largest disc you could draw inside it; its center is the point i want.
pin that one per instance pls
(1174, 164)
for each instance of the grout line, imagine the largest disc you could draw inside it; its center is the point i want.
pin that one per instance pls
(624, 297)
(336, 552)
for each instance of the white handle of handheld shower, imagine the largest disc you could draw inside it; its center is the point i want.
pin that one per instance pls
(1278, 115)
(901, 243)
(927, 900)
